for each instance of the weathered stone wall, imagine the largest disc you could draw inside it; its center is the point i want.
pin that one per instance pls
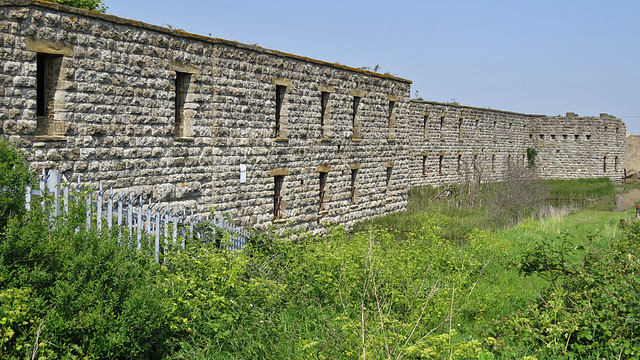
(490, 142)
(245, 104)
(578, 147)
(450, 143)
(183, 118)
(114, 98)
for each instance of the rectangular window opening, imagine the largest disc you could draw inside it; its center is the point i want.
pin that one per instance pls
(324, 102)
(354, 118)
(460, 135)
(280, 91)
(388, 179)
(442, 127)
(477, 128)
(604, 164)
(181, 90)
(354, 179)
(47, 74)
(495, 130)
(440, 161)
(425, 126)
(391, 120)
(459, 163)
(424, 165)
(277, 196)
(493, 163)
(322, 190)
(615, 164)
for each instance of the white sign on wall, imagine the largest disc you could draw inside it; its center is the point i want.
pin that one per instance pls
(243, 173)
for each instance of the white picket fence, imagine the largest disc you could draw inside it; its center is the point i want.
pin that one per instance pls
(109, 209)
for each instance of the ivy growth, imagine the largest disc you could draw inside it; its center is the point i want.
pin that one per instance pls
(531, 156)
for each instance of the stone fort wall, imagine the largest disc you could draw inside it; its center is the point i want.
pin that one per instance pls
(267, 137)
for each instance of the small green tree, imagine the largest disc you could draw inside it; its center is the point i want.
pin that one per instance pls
(14, 176)
(93, 5)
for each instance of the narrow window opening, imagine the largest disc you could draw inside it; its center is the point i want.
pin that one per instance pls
(354, 118)
(495, 130)
(277, 196)
(493, 163)
(564, 136)
(588, 137)
(530, 136)
(280, 91)
(576, 137)
(617, 136)
(425, 126)
(424, 165)
(541, 136)
(509, 162)
(604, 164)
(388, 179)
(324, 102)
(181, 90)
(47, 74)
(354, 179)
(440, 161)
(477, 128)
(442, 127)
(459, 163)
(615, 163)
(392, 120)
(460, 135)
(322, 190)
(475, 163)
(553, 137)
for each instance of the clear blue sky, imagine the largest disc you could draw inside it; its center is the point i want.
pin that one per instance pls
(530, 56)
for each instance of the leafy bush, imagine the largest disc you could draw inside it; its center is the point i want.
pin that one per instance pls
(88, 296)
(14, 176)
(591, 309)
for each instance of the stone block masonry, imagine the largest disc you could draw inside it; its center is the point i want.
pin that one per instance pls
(266, 137)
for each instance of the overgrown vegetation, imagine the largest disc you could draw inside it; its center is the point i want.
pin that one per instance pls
(408, 286)
(93, 5)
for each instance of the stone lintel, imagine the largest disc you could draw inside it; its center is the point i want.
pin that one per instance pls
(389, 164)
(50, 138)
(354, 166)
(279, 172)
(49, 47)
(326, 88)
(184, 68)
(442, 153)
(323, 168)
(392, 97)
(281, 81)
(426, 153)
(357, 93)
